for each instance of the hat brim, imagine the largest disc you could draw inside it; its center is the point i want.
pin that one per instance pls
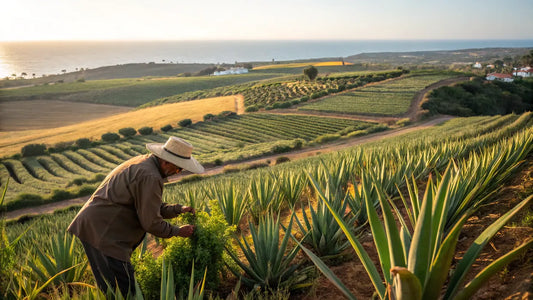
(190, 164)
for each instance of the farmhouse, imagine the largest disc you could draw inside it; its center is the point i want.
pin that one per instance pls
(477, 65)
(231, 71)
(500, 76)
(524, 72)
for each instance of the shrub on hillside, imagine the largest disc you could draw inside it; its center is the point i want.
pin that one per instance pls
(146, 130)
(166, 128)
(327, 138)
(209, 117)
(127, 132)
(226, 113)
(310, 72)
(61, 146)
(282, 159)
(251, 108)
(33, 150)
(185, 123)
(304, 99)
(110, 137)
(403, 122)
(83, 143)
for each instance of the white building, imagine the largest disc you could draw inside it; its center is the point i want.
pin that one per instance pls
(500, 76)
(477, 65)
(231, 71)
(524, 72)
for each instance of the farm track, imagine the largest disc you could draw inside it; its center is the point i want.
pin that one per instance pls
(51, 207)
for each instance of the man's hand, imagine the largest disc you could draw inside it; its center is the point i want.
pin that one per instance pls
(188, 209)
(186, 231)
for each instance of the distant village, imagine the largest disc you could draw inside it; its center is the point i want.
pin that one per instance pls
(517, 72)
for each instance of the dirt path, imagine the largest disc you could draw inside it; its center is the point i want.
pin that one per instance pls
(51, 207)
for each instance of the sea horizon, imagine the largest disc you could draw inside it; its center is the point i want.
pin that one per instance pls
(51, 57)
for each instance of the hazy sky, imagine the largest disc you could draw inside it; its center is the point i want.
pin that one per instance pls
(262, 19)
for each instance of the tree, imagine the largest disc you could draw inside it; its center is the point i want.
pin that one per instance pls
(311, 72)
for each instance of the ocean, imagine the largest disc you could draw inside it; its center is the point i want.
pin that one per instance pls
(46, 58)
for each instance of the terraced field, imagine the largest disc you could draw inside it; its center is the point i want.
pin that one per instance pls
(229, 139)
(387, 99)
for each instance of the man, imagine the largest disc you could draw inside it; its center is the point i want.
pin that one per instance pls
(126, 205)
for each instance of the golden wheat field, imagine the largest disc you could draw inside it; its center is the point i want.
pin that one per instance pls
(12, 141)
(305, 64)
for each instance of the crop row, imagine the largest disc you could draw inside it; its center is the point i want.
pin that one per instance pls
(265, 94)
(230, 139)
(389, 98)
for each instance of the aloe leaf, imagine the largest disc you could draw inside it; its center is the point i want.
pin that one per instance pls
(442, 262)
(482, 277)
(361, 253)
(406, 285)
(473, 251)
(327, 272)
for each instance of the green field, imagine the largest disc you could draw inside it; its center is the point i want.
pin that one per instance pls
(127, 92)
(389, 99)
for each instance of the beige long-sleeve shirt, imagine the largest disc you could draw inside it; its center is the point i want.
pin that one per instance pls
(126, 205)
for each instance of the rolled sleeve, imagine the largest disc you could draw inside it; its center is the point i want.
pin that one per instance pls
(169, 211)
(148, 204)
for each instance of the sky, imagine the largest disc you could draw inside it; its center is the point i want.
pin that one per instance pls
(31, 20)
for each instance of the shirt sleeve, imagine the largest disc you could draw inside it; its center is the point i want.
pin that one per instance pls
(148, 194)
(169, 211)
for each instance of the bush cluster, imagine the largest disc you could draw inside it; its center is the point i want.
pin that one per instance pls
(205, 248)
(110, 137)
(146, 130)
(127, 132)
(33, 150)
(479, 97)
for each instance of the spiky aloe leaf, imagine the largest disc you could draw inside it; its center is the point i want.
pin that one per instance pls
(483, 276)
(473, 252)
(406, 285)
(361, 253)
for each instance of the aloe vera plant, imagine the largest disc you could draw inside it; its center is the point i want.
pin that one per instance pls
(269, 259)
(416, 264)
(319, 228)
(231, 200)
(263, 195)
(64, 255)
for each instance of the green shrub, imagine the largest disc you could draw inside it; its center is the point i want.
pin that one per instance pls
(325, 138)
(110, 137)
(280, 148)
(146, 130)
(251, 108)
(209, 117)
(33, 150)
(282, 159)
(83, 143)
(205, 248)
(58, 195)
(356, 133)
(185, 123)
(226, 113)
(403, 122)
(127, 132)
(218, 162)
(166, 128)
(347, 130)
(304, 99)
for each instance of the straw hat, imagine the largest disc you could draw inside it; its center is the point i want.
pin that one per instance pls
(178, 152)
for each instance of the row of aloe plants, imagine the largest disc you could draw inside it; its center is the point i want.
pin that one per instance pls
(335, 183)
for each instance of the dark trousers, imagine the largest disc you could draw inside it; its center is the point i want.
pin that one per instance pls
(109, 271)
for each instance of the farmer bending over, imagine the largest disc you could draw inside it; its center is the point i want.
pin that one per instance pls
(126, 205)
